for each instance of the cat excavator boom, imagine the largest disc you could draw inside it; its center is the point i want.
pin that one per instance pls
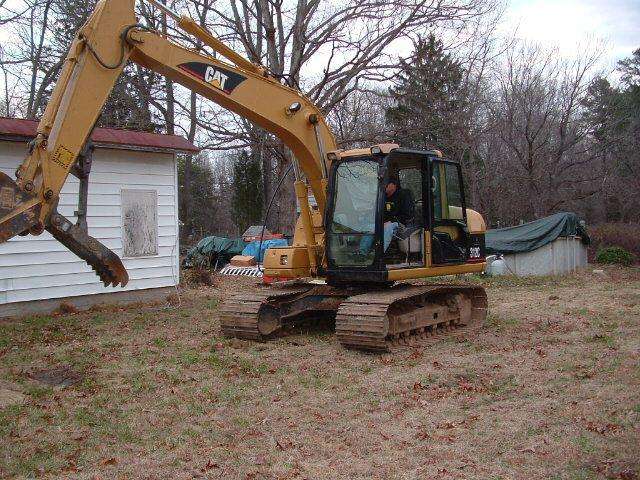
(97, 56)
(348, 240)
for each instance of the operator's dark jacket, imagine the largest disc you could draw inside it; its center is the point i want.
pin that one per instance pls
(399, 207)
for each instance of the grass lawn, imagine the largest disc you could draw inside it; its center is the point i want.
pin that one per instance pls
(550, 388)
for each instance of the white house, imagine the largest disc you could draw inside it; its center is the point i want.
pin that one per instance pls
(133, 188)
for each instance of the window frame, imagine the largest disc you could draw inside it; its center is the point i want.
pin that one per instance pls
(446, 221)
(375, 265)
(123, 223)
(433, 223)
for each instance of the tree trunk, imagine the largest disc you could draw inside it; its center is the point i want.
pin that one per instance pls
(188, 167)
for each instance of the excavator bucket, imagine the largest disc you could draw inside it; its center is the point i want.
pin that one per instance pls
(12, 198)
(103, 261)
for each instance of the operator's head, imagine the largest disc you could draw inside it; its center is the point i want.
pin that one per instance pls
(392, 186)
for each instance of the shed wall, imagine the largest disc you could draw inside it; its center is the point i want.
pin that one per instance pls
(36, 268)
(563, 255)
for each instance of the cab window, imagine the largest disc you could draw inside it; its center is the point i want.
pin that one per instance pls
(447, 192)
(411, 179)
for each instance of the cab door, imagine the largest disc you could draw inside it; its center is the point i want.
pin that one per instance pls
(448, 221)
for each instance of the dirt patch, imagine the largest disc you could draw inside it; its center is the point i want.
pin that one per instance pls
(10, 395)
(548, 389)
(59, 376)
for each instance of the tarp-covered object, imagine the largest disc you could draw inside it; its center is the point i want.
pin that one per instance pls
(533, 235)
(252, 248)
(212, 250)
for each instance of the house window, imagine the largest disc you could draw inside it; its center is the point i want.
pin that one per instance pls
(140, 223)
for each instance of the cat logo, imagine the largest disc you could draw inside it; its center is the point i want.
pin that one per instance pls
(218, 77)
(215, 77)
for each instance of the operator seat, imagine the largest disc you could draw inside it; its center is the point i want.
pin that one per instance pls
(412, 241)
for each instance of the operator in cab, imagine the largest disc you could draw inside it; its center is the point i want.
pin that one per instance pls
(398, 210)
(399, 207)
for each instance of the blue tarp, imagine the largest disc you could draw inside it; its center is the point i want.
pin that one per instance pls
(533, 235)
(252, 248)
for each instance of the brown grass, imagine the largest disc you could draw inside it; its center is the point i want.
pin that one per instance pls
(549, 389)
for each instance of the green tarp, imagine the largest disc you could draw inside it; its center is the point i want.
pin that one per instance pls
(533, 235)
(212, 250)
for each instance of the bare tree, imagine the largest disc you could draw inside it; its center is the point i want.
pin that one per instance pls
(359, 120)
(536, 136)
(328, 49)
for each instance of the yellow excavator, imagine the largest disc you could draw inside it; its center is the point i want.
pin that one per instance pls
(348, 255)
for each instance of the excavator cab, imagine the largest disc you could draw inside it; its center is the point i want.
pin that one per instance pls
(367, 245)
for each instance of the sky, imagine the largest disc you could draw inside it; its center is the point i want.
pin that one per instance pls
(569, 25)
(572, 24)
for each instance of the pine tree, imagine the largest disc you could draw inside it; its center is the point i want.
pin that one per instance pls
(247, 196)
(428, 96)
(199, 218)
(613, 116)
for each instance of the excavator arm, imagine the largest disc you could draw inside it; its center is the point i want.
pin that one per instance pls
(103, 46)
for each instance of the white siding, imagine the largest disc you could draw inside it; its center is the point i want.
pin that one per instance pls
(37, 268)
(563, 256)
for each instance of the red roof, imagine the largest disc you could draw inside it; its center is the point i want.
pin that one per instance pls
(106, 136)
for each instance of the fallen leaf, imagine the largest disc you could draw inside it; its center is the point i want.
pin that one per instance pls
(283, 444)
(210, 464)
(628, 474)
(447, 425)
(415, 355)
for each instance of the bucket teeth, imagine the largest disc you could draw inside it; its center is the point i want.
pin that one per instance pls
(103, 261)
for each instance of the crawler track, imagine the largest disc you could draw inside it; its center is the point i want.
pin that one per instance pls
(376, 321)
(248, 316)
(381, 321)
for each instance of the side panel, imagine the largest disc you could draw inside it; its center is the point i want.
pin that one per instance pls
(409, 273)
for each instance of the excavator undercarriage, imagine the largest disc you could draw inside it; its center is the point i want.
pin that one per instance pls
(374, 320)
